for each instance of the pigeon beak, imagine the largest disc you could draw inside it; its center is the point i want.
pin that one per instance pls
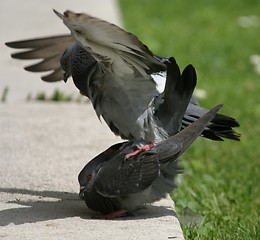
(81, 192)
(58, 14)
(66, 76)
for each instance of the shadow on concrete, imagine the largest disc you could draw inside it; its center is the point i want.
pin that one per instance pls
(51, 205)
(50, 194)
(47, 205)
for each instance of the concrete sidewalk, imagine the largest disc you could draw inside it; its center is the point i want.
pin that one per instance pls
(43, 148)
(32, 19)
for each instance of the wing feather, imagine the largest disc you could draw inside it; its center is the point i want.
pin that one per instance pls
(119, 177)
(53, 76)
(45, 65)
(50, 49)
(124, 50)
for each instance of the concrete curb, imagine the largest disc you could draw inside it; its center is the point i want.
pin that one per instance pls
(43, 146)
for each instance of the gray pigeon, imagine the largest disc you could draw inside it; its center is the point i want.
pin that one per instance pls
(114, 184)
(117, 72)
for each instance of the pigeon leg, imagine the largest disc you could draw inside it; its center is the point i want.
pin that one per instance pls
(145, 147)
(112, 215)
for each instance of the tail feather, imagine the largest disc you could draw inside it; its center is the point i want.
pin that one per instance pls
(220, 127)
(223, 119)
(175, 145)
(176, 96)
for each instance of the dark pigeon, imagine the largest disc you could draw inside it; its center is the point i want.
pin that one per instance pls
(114, 185)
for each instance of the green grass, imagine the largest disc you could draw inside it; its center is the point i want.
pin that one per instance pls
(221, 179)
(4, 94)
(57, 96)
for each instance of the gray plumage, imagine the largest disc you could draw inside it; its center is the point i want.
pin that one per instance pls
(111, 182)
(115, 71)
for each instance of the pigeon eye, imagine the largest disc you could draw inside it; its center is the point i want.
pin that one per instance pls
(65, 62)
(89, 177)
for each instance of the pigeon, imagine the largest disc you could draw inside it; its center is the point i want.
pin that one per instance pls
(119, 74)
(115, 186)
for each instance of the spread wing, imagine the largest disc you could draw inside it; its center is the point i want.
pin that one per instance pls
(48, 49)
(111, 45)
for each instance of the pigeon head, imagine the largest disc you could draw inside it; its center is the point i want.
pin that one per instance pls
(65, 61)
(86, 177)
(78, 63)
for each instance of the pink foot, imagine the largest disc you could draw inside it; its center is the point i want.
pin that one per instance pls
(145, 147)
(115, 214)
